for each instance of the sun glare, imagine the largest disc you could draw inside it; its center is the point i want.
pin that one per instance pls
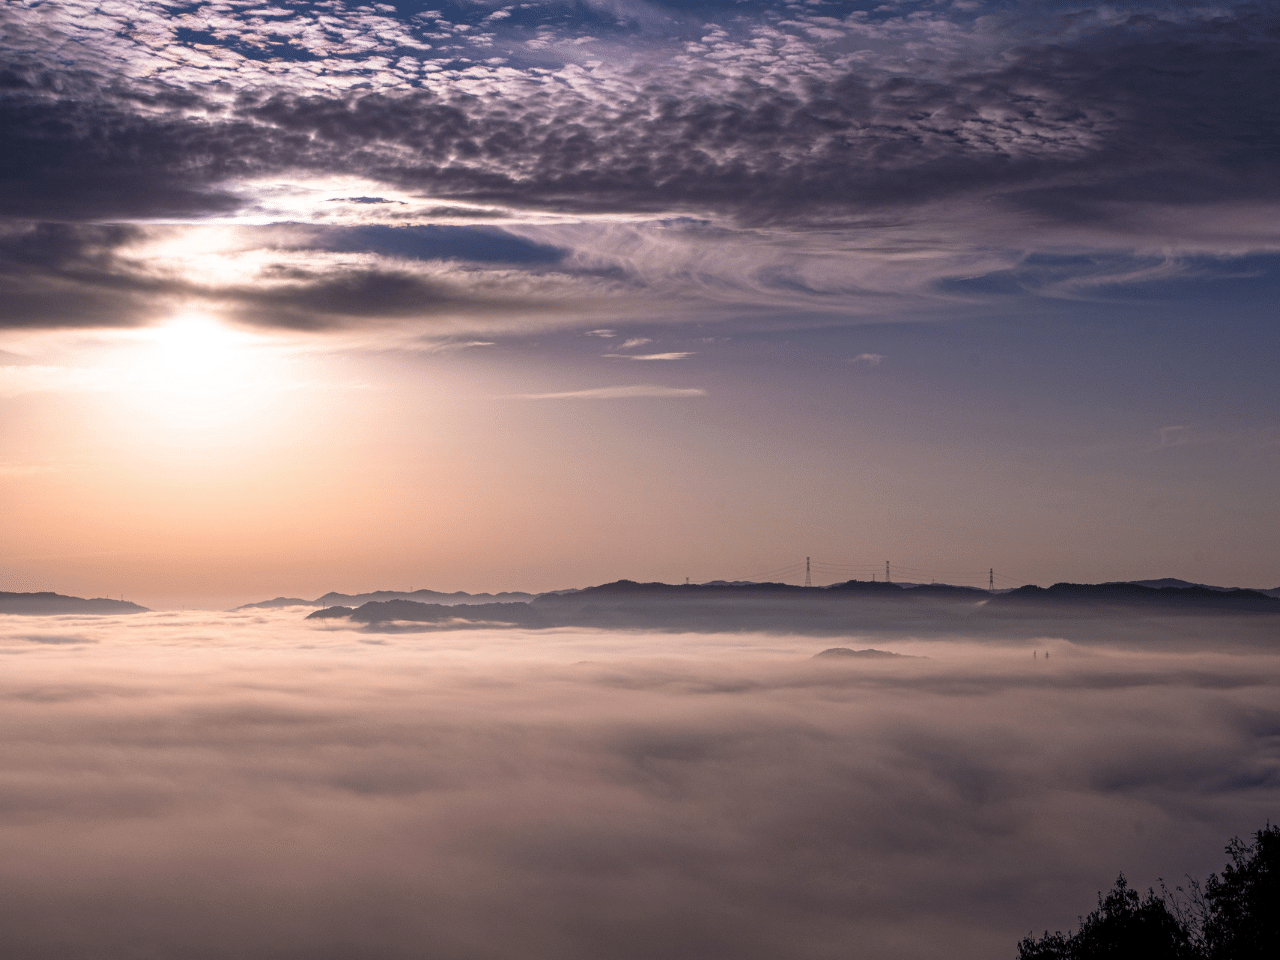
(199, 373)
(195, 352)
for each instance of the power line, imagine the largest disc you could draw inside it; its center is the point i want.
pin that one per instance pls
(840, 571)
(779, 571)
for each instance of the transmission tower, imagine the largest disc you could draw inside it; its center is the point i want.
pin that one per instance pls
(808, 580)
(991, 580)
(886, 572)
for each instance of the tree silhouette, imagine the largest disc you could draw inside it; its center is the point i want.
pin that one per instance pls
(1243, 917)
(1124, 927)
(1232, 917)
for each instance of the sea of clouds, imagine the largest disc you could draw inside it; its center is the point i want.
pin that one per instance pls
(251, 785)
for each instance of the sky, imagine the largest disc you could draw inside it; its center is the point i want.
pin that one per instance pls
(253, 785)
(299, 297)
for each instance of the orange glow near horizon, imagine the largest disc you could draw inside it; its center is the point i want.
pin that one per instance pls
(196, 462)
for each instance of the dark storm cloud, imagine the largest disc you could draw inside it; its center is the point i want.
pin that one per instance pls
(305, 794)
(924, 128)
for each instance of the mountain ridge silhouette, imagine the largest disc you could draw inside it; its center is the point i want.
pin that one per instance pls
(47, 603)
(838, 608)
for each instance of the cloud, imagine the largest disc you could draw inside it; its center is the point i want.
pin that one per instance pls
(866, 138)
(618, 393)
(1240, 444)
(304, 792)
(677, 355)
(68, 275)
(451, 346)
(869, 359)
(845, 163)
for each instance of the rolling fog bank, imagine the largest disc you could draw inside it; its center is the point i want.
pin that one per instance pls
(257, 785)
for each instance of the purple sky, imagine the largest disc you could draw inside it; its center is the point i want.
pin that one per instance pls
(314, 296)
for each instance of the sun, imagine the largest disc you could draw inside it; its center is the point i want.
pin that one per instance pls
(198, 373)
(194, 353)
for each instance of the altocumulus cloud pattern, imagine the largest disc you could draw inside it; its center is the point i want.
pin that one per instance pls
(708, 158)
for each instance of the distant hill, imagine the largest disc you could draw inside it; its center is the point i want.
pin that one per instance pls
(381, 611)
(1169, 582)
(1183, 584)
(47, 604)
(417, 596)
(626, 604)
(909, 591)
(278, 603)
(845, 653)
(330, 613)
(1134, 596)
(843, 608)
(423, 596)
(629, 591)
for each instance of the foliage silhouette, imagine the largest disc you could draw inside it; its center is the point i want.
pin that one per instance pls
(1232, 917)
(1125, 927)
(1243, 917)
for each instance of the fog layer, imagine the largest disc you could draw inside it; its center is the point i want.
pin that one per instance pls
(252, 785)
